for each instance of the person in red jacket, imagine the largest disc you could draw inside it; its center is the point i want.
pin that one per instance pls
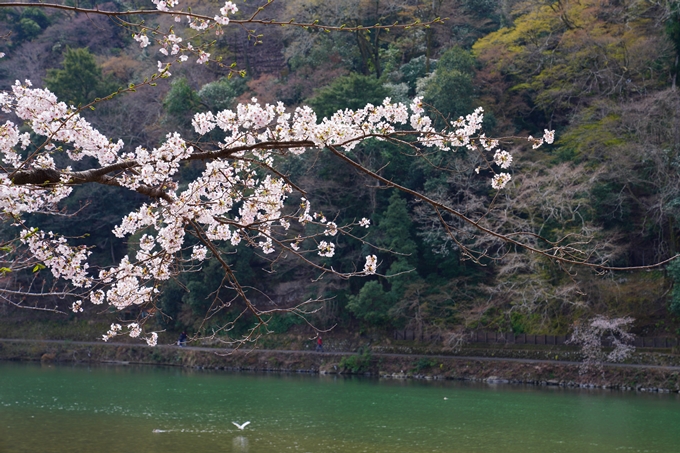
(319, 344)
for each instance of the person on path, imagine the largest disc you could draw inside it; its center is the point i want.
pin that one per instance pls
(319, 344)
(182, 339)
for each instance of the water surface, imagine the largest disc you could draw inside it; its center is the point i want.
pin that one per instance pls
(166, 410)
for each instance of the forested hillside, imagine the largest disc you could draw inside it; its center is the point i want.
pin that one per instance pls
(603, 74)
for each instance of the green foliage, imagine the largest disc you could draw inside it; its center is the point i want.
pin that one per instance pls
(282, 322)
(673, 270)
(184, 302)
(401, 274)
(220, 95)
(372, 304)
(181, 101)
(81, 80)
(423, 364)
(672, 27)
(524, 322)
(27, 29)
(207, 293)
(394, 230)
(450, 91)
(202, 287)
(36, 15)
(610, 204)
(170, 303)
(349, 92)
(457, 59)
(360, 363)
(26, 25)
(483, 9)
(542, 67)
(572, 63)
(416, 69)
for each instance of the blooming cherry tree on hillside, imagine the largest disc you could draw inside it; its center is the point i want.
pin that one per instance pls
(241, 196)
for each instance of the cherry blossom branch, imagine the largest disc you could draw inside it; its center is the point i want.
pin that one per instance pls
(203, 17)
(503, 237)
(239, 196)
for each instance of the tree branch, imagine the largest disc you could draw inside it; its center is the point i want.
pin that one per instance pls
(505, 238)
(251, 20)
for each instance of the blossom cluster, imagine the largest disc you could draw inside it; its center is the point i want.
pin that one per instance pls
(142, 39)
(165, 5)
(228, 8)
(170, 43)
(51, 118)
(371, 264)
(591, 336)
(69, 263)
(548, 137)
(134, 331)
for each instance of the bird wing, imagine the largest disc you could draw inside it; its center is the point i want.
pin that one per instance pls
(241, 426)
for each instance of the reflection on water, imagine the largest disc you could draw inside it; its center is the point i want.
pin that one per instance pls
(240, 444)
(161, 410)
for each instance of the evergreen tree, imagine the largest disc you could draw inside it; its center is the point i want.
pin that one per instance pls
(375, 299)
(394, 230)
(673, 270)
(221, 94)
(450, 89)
(350, 92)
(182, 101)
(80, 81)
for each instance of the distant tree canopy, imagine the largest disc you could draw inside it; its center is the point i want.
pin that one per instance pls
(393, 231)
(562, 56)
(26, 25)
(451, 89)
(181, 101)
(80, 81)
(349, 92)
(221, 94)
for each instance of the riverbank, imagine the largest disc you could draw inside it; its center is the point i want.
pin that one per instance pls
(490, 367)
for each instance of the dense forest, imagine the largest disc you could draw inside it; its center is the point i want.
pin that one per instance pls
(602, 73)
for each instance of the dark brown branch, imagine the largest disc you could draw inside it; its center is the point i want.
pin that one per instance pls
(46, 176)
(37, 176)
(251, 20)
(49, 177)
(271, 145)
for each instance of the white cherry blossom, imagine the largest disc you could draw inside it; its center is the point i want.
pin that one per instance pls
(371, 264)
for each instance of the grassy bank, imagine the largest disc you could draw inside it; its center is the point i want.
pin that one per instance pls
(369, 363)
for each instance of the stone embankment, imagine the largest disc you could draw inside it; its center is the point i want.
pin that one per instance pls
(657, 372)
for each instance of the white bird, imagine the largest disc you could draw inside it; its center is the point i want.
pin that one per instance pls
(241, 426)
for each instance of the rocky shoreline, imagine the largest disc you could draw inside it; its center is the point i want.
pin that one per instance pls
(380, 364)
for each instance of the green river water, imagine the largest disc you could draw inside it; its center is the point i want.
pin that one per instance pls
(166, 410)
